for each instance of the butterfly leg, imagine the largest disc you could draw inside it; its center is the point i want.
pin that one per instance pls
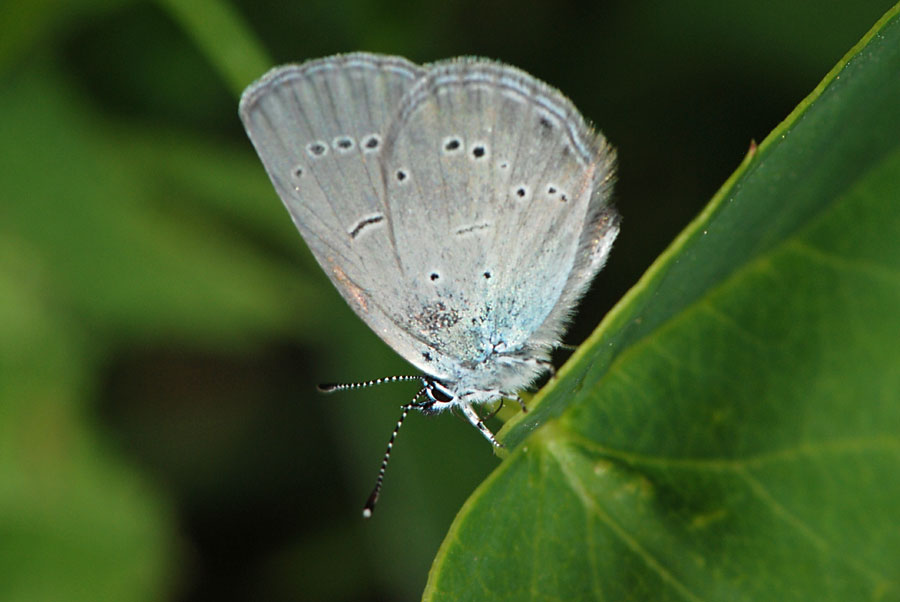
(475, 421)
(495, 412)
(521, 403)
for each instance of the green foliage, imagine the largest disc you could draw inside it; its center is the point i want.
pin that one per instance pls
(729, 432)
(732, 429)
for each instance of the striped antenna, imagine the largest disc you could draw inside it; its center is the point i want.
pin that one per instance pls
(332, 387)
(373, 497)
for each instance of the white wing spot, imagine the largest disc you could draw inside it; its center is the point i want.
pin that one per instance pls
(514, 96)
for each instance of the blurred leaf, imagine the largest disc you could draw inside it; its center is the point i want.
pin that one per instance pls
(222, 35)
(25, 23)
(732, 429)
(104, 214)
(76, 522)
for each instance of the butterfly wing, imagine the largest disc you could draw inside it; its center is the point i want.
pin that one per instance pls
(319, 129)
(498, 204)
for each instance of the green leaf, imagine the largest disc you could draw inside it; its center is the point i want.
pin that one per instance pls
(223, 36)
(731, 431)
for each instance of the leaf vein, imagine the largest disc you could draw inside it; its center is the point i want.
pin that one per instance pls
(747, 335)
(859, 445)
(555, 449)
(791, 519)
(838, 262)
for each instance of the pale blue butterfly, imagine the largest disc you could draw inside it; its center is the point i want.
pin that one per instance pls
(460, 208)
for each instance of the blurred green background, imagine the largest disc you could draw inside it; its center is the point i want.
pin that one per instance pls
(162, 325)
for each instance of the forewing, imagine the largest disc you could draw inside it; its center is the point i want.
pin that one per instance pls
(319, 129)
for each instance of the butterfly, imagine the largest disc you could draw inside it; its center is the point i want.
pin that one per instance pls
(460, 208)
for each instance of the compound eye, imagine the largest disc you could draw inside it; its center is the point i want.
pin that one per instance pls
(439, 393)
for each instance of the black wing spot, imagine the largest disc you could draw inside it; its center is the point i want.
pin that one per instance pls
(522, 192)
(316, 149)
(551, 190)
(472, 228)
(401, 175)
(478, 152)
(343, 143)
(365, 222)
(546, 124)
(487, 275)
(297, 176)
(452, 144)
(371, 143)
(434, 276)
(426, 356)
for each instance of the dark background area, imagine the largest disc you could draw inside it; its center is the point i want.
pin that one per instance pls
(166, 326)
